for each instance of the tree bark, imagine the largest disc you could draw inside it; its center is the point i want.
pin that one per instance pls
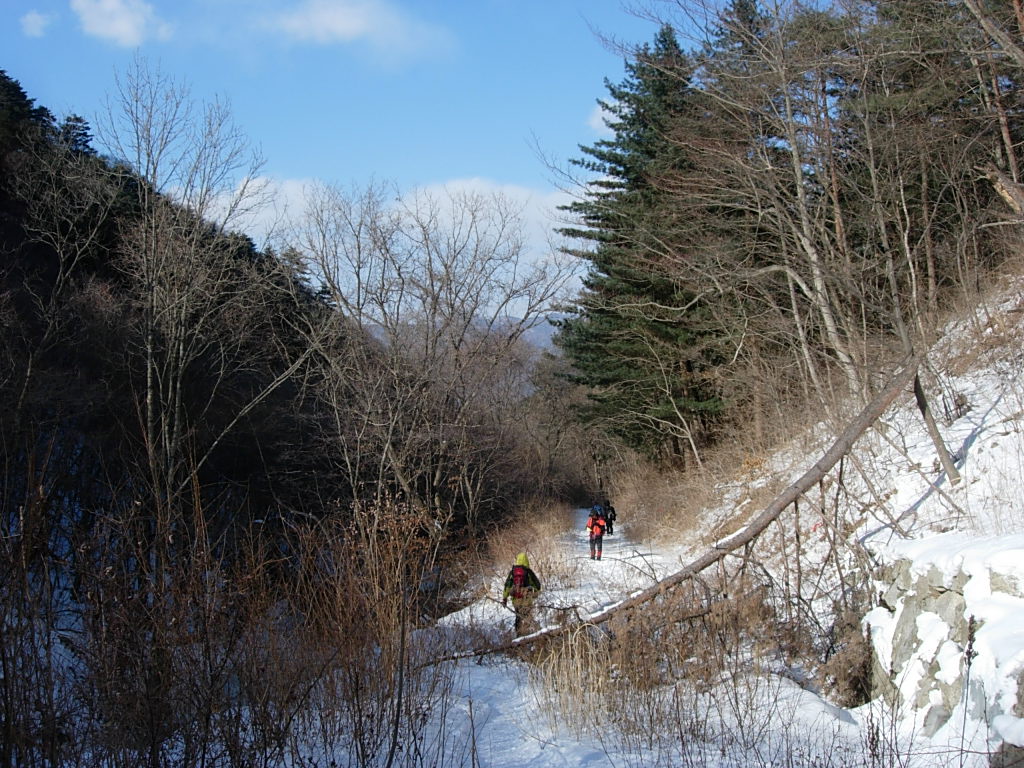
(933, 432)
(999, 35)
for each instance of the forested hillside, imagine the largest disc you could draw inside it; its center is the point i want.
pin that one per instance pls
(788, 198)
(219, 459)
(184, 416)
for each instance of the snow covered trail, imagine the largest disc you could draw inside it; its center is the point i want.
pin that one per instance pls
(499, 716)
(499, 721)
(624, 568)
(583, 587)
(508, 727)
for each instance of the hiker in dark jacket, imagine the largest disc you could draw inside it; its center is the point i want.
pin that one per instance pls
(522, 585)
(609, 516)
(596, 525)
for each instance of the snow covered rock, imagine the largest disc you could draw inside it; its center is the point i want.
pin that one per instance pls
(948, 634)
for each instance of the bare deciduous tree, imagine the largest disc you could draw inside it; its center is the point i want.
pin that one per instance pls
(199, 301)
(442, 290)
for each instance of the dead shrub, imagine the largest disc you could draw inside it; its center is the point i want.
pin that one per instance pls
(667, 506)
(659, 507)
(571, 671)
(691, 660)
(847, 671)
(257, 659)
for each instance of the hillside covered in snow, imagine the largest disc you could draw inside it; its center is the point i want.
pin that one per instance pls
(943, 608)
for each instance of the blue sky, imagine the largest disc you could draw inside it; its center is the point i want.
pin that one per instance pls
(416, 92)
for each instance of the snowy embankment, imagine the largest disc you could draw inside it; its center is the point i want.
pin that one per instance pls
(954, 685)
(949, 629)
(962, 667)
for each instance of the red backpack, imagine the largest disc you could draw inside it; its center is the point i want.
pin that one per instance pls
(597, 526)
(519, 582)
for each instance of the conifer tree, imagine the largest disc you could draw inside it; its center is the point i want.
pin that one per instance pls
(19, 114)
(631, 336)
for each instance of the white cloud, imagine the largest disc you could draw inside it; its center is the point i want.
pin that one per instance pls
(376, 22)
(281, 204)
(127, 23)
(539, 208)
(34, 24)
(597, 118)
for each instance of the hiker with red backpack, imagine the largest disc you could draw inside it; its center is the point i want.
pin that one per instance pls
(596, 525)
(522, 585)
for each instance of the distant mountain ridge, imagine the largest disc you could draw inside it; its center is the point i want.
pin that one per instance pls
(542, 334)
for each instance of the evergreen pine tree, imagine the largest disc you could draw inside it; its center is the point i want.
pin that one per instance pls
(631, 335)
(75, 134)
(18, 114)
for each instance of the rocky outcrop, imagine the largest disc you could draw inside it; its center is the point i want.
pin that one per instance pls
(940, 633)
(920, 662)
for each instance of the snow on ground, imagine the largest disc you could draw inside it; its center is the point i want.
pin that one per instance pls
(509, 726)
(912, 512)
(501, 699)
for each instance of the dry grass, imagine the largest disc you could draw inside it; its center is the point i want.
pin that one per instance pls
(240, 662)
(847, 672)
(652, 504)
(570, 672)
(669, 507)
(539, 531)
(990, 333)
(690, 666)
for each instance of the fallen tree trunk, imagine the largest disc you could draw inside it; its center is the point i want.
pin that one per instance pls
(871, 412)
(933, 432)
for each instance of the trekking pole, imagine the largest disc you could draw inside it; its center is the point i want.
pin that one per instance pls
(503, 605)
